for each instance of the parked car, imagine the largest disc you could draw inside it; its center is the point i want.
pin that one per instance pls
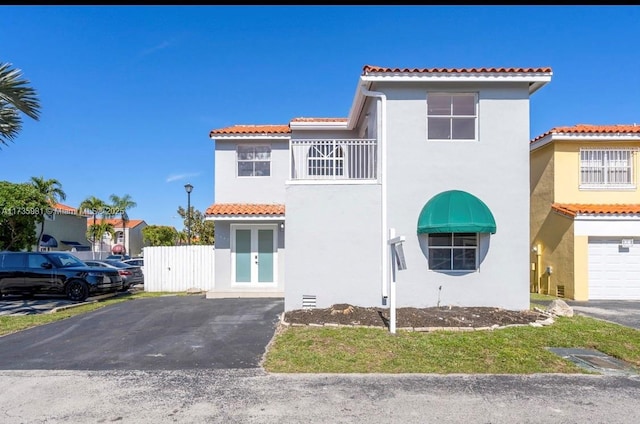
(131, 275)
(135, 262)
(29, 273)
(118, 257)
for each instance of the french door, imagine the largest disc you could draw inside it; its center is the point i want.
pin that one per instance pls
(254, 254)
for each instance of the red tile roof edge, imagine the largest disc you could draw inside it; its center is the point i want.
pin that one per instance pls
(370, 69)
(245, 209)
(251, 129)
(303, 119)
(117, 222)
(573, 209)
(592, 129)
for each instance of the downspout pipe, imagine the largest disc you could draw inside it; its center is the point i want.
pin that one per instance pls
(382, 136)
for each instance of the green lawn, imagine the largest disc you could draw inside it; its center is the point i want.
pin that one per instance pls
(514, 350)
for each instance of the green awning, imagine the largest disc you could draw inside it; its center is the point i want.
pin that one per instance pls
(455, 211)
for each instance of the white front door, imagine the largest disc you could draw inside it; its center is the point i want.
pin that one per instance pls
(254, 254)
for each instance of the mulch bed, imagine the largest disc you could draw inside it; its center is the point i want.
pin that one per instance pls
(445, 316)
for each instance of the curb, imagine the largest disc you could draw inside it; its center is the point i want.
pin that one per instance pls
(538, 323)
(94, 299)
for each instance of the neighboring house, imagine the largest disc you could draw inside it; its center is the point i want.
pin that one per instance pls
(64, 229)
(128, 240)
(585, 212)
(439, 155)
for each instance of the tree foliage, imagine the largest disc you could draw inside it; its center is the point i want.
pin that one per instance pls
(52, 191)
(21, 206)
(97, 231)
(16, 96)
(159, 235)
(202, 231)
(120, 206)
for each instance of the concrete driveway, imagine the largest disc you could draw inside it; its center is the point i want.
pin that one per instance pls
(624, 312)
(161, 333)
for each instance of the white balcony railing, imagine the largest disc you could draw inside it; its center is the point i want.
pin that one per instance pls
(338, 159)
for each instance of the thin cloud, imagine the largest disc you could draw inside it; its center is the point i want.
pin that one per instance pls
(177, 177)
(160, 46)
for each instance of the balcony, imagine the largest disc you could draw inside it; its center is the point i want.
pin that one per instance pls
(333, 160)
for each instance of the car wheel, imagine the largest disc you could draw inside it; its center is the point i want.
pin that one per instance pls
(77, 291)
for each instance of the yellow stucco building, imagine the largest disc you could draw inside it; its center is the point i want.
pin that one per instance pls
(585, 212)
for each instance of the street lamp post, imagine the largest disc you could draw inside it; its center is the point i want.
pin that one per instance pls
(188, 188)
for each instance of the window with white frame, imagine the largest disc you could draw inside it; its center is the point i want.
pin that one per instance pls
(326, 158)
(452, 116)
(606, 168)
(453, 251)
(254, 161)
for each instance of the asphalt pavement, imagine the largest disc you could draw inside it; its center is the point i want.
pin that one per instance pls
(157, 333)
(251, 396)
(623, 312)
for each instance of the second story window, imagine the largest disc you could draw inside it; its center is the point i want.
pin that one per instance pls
(606, 168)
(451, 116)
(254, 161)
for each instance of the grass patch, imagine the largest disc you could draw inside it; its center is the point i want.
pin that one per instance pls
(540, 300)
(514, 350)
(13, 323)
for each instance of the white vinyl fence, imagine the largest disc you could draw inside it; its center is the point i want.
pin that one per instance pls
(178, 268)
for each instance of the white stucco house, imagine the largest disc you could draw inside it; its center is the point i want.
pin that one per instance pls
(304, 210)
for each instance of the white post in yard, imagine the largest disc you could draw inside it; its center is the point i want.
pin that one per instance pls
(397, 263)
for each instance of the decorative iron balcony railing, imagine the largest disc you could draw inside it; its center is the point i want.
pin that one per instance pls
(334, 159)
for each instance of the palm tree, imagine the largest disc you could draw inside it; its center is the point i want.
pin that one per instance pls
(121, 204)
(94, 206)
(99, 230)
(52, 191)
(15, 96)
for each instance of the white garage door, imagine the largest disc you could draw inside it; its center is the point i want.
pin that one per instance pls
(614, 271)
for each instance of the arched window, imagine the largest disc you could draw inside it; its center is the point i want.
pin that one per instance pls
(326, 159)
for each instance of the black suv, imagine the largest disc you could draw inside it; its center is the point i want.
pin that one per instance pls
(54, 273)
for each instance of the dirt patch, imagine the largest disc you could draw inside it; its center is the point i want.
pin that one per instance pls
(446, 316)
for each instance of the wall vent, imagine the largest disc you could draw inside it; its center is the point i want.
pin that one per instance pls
(308, 301)
(560, 291)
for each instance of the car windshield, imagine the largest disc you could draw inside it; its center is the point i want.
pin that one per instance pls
(64, 260)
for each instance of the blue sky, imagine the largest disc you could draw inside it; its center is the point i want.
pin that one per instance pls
(130, 93)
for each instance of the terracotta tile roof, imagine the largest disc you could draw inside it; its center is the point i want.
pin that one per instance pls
(573, 209)
(116, 222)
(368, 69)
(319, 119)
(592, 129)
(245, 209)
(64, 208)
(252, 129)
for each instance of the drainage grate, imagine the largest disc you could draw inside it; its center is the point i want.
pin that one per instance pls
(560, 291)
(308, 301)
(596, 361)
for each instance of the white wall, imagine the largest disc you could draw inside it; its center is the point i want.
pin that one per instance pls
(495, 168)
(230, 188)
(333, 244)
